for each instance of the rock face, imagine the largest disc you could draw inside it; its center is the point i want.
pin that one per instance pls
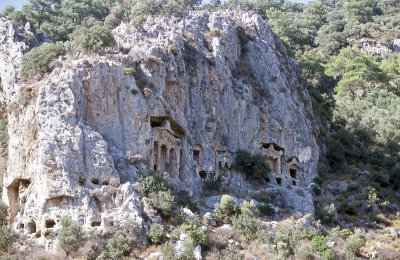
(182, 97)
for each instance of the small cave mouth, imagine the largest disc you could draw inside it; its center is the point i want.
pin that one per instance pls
(203, 174)
(82, 181)
(294, 183)
(266, 179)
(95, 181)
(32, 227)
(293, 173)
(50, 223)
(95, 224)
(196, 155)
(278, 181)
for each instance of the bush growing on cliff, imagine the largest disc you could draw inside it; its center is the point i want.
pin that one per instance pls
(3, 134)
(7, 237)
(156, 234)
(286, 238)
(328, 213)
(37, 60)
(212, 182)
(254, 166)
(319, 245)
(246, 225)
(70, 235)
(92, 36)
(3, 213)
(249, 209)
(198, 235)
(118, 246)
(163, 202)
(225, 209)
(185, 200)
(168, 251)
(354, 243)
(154, 182)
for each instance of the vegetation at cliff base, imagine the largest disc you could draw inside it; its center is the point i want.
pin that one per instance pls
(348, 53)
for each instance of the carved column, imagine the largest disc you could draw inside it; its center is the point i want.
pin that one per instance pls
(159, 156)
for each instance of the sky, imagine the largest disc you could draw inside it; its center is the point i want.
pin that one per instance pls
(19, 3)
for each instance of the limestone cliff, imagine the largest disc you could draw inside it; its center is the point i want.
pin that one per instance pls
(180, 95)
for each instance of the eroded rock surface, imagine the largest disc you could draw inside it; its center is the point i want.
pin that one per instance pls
(182, 96)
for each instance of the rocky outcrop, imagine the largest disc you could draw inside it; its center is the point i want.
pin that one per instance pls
(182, 96)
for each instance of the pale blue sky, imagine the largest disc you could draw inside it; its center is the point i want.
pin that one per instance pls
(19, 3)
(16, 3)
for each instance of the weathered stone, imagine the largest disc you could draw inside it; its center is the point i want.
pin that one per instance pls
(188, 213)
(197, 253)
(211, 201)
(90, 126)
(394, 233)
(330, 244)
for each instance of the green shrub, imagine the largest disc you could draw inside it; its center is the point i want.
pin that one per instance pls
(395, 175)
(185, 200)
(92, 36)
(37, 60)
(188, 249)
(118, 246)
(212, 182)
(304, 251)
(319, 180)
(381, 178)
(316, 190)
(225, 209)
(156, 234)
(141, 83)
(266, 210)
(323, 170)
(336, 151)
(337, 235)
(25, 96)
(128, 71)
(328, 254)
(7, 237)
(3, 135)
(168, 251)
(198, 235)
(3, 213)
(285, 239)
(328, 213)
(70, 235)
(355, 242)
(163, 203)
(319, 243)
(18, 18)
(154, 182)
(348, 208)
(254, 166)
(392, 146)
(249, 209)
(345, 136)
(246, 225)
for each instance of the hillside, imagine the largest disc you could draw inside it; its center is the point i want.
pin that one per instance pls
(169, 130)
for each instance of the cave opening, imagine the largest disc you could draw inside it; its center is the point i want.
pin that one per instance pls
(82, 181)
(203, 174)
(95, 224)
(50, 223)
(278, 181)
(293, 173)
